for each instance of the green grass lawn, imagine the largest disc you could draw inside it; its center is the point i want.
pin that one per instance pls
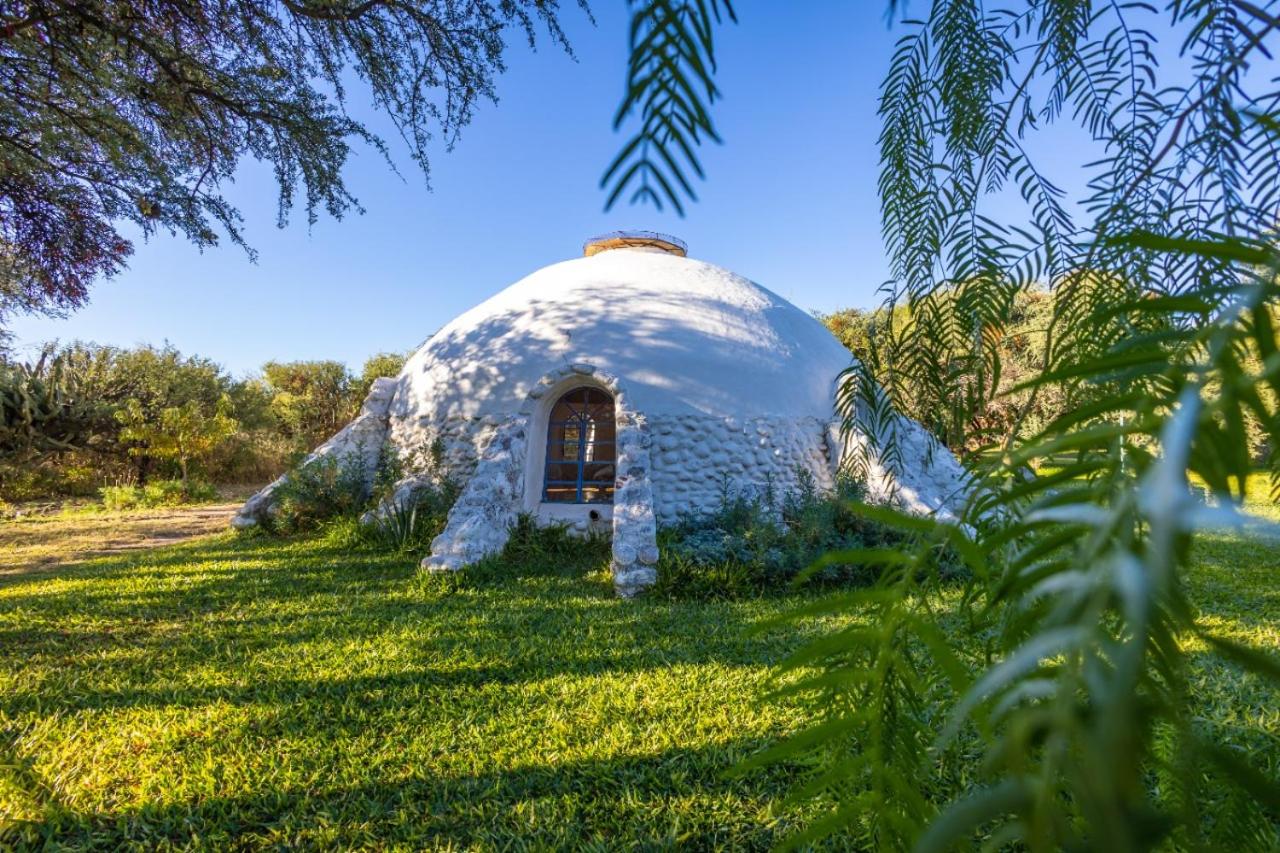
(256, 692)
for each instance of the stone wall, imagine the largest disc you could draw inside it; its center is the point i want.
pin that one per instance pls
(693, 455)
(923, 477)
(635, 526)
(481, 520)
(689, 455)
(462, 439)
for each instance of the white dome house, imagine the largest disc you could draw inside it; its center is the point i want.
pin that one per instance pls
(617, 392)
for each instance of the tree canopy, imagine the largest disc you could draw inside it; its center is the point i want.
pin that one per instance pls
(81, 416)
(140, 112)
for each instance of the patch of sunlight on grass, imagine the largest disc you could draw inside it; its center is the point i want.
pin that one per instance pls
(252, 692)
(259, 692)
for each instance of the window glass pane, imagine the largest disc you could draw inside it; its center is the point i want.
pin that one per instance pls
(581, 426)
(598, 453)
(597, 494)
(562, 450)
(561, 494)
(606, 432)
(563, 410)
(598, 471)
(562, 471)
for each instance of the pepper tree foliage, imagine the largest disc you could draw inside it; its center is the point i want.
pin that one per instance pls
(671, 86)
(140, 112)
(1074, 728)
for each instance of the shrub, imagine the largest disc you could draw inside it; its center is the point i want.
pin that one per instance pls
(173, 493)
(324, 488)
(22, 482)
(251, 456)
(410, 523)
(755, 543)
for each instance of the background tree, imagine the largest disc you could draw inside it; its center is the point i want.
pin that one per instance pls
(140, 111)
(1019, 344)
(310, 400)
(156, 378)
(61, 433)
(183, 434)
(376, 366)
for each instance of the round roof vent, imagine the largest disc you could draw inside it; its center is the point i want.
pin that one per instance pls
(635, 240)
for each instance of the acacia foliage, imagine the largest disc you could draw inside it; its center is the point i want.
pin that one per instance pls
(141, 111)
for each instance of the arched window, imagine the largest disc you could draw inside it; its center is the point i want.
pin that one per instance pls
(580, 449)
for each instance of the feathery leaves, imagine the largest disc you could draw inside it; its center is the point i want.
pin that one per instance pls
(670, 86)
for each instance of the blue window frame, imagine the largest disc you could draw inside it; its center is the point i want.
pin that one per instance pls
(581, 460)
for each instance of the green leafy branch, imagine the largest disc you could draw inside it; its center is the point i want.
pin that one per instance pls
(670, 84)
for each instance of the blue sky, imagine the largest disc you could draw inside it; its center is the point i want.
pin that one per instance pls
(790, 201)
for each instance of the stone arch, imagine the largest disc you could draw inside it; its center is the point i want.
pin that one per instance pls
(499, 490)
(634, 526)
(537, 406)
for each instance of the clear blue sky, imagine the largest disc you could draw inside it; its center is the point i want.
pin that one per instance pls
(790, 201)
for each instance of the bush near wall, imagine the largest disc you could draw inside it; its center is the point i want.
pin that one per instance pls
(758, 542)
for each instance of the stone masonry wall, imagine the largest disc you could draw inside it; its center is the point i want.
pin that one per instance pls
(688, 455)
(480, 522)
(635, 526)
(462, 441)
(692, 455)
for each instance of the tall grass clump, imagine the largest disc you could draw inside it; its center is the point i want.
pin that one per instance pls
(157, 493)
(408, 523)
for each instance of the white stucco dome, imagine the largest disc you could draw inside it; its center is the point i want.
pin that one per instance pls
(616, 392)
(686, 337)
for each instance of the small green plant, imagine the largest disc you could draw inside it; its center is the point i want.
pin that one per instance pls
(116, 498)
(756, 543)
(410, 523)
(158, 493)
(412, 497)
(324, 488)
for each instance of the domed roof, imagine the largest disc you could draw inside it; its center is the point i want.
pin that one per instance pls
(682, 335)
